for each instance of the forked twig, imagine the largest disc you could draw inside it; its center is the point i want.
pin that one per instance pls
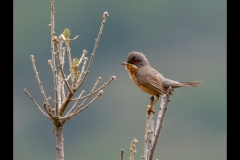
(37, 104)
(162, 110)
(40, 83)
(104, 18)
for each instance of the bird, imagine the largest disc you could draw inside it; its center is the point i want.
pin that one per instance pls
(150, 80)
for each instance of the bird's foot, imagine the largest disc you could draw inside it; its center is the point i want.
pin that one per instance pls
(170, 90)
(150, 109)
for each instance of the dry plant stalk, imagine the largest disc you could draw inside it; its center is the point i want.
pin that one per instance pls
(121, 154)
(65, 86)
(152, 134)
(132, 148)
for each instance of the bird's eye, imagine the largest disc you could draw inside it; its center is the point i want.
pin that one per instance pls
(135, 61)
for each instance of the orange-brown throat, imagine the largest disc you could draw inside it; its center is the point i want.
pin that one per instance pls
(131, 68)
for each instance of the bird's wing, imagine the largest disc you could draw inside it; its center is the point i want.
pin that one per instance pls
(151, 80)
(168, 82)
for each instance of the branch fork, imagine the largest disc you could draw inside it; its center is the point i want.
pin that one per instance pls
(71, 83)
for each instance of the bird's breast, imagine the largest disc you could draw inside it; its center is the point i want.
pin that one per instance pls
(142, 87)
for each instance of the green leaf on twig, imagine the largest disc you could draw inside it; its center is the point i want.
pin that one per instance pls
(75, 61)
(66, 33)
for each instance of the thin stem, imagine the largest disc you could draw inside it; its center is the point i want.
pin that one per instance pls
(59, 94)
(65, 103)
(104, 18)
(162, 110)
(60, 58)
(80, 106)
(80, 61)
(60, 66)
(95, 85)
(146, 137)
(83, 55)
(81, 109)
(56, 90)
(90, 94)
(37, 104)
(132, 148)
(68, 86)
(53, 38)
(151, 125)
(69, 112)
(62, 87)
(83, 67)
(121, 154)
(69, 60)
(39, 82)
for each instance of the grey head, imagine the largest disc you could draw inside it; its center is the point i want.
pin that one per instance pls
(138, 59)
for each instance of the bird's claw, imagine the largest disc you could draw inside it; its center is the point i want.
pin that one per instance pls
(150, 109)
(170, 90)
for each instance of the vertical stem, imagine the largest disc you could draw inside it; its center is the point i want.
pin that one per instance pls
(122, 152)
(53, 55)
(162, 110)
(70, 62)
(105, 15)
(59, 142)
(146, 137)
(151, 125)
(60, 85)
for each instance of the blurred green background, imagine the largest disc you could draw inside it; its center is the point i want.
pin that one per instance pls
(184, 40)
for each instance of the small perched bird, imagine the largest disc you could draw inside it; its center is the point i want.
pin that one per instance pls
(148, 79)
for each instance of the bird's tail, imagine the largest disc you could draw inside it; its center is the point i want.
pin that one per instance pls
(191, 83)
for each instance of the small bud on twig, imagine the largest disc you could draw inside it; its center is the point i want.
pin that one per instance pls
(100, 92)
(113, 77)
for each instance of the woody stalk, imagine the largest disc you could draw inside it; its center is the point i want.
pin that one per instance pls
(66, 85)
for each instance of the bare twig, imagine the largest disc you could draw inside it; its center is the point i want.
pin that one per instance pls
(121, 154)
(59, 100)
(53, 40)
(132, 148)
(93, 92)
(60, 66)
(63, 90)
(83, 55)
(68, 77)
(36, 104)
(60, 53)
(149, 130)
(84, 64)
(68, 87)
(162, 110)
(69, 112)
(60, 57)
(86, 97)
(100, 93)
(95, 85)
(151, 124)
(61, 80)
(104, 18)
(81, 109)
(83, 67)
(39, 82)
(146, 137)
(69, 59)
(65, 103)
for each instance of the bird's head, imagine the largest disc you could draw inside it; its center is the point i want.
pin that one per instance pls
(136, 60)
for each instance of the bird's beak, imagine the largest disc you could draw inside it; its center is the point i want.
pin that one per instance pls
(130, 67)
